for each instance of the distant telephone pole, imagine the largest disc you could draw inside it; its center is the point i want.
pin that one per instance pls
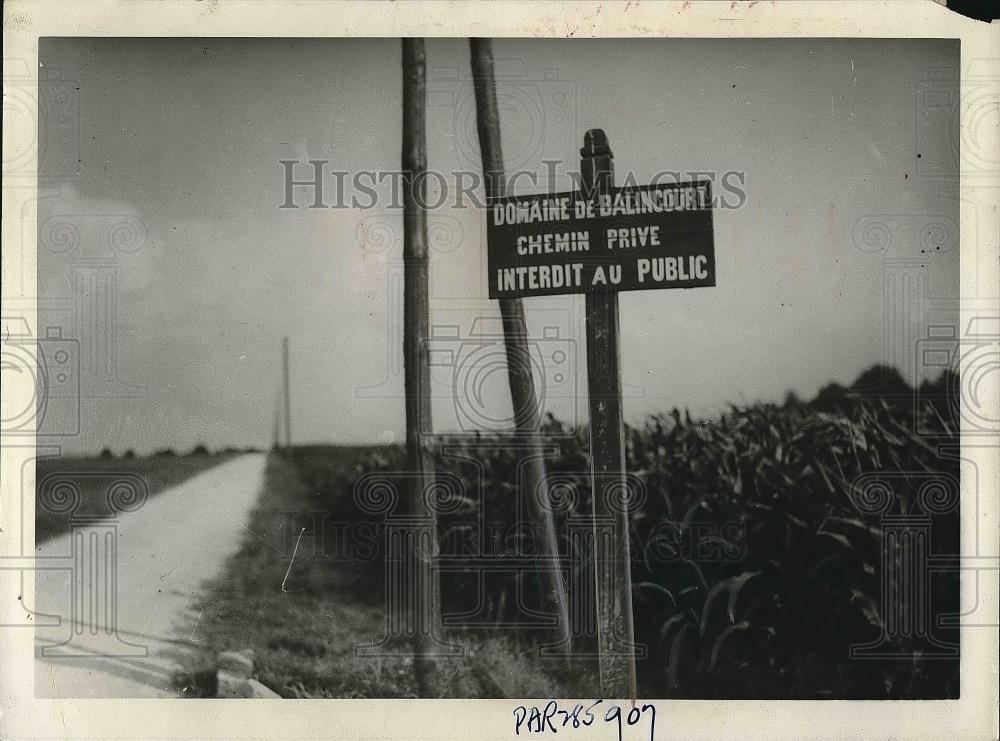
(276, 427)
(287, 395)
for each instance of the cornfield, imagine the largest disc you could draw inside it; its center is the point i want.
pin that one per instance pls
(779, 551)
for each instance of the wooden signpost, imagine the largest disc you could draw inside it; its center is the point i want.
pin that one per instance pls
(599, 241)
(622, 239)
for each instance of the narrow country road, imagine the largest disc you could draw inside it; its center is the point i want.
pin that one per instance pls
(116, 632)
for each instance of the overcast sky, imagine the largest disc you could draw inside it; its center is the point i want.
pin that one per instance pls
(181, 140)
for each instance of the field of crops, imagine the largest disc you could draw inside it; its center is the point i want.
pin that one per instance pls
(779, 551)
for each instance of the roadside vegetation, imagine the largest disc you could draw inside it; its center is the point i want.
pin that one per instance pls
(303, 611)
(759, 546)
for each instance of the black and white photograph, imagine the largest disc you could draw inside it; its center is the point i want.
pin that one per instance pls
(422, 367)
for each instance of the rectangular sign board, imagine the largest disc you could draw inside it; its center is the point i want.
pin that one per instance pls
(633, 238)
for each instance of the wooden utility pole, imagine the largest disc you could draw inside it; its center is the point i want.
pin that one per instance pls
(527, 416)
(425, 590)
(287, 395)
(616, 639)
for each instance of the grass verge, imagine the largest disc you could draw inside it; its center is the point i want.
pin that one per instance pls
(303, 616)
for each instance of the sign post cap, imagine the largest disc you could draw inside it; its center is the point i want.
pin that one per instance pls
(595, 144)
